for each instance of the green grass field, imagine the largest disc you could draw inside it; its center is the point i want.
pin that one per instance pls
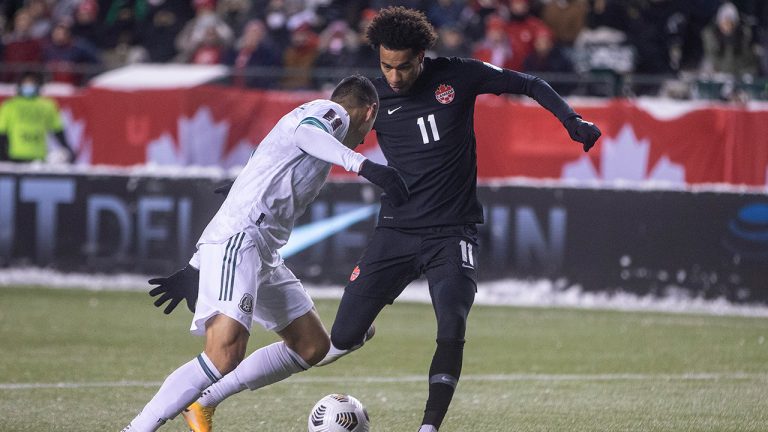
(81, 361)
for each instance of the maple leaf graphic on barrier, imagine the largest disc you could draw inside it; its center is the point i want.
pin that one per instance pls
(625, 157)
(202, 142)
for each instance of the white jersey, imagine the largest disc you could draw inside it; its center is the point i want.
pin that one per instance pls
(279, 181)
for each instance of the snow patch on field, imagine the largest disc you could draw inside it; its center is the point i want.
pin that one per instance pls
(508, 292)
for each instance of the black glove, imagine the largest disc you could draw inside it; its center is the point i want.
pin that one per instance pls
(3, 147)
(224, 189)
(582, 131)
(386, 178)
(182, 285)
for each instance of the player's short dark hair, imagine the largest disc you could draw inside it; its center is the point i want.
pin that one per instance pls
(355, 90)
(400, 28)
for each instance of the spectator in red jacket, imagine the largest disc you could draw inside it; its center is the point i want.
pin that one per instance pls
(495, 47)
(522, 28)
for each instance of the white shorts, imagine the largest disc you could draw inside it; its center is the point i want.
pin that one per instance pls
(246, 281)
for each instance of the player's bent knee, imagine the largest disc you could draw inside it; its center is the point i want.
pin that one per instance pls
(311, 349)
(225, 358)
(346, 338)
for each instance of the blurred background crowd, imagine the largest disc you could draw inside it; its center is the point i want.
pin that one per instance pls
(707, 49)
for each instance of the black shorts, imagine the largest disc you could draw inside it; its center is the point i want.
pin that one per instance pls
(397, 256)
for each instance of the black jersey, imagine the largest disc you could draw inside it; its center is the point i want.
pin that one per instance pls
(428, 135)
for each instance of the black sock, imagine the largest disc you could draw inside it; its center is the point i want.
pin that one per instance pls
(443, 376)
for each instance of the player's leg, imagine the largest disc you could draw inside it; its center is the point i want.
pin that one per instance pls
(388, 265)
(304, 343)
(225, 268)
(353, 325)
(282, 305)
(225, 343)
(452, 286)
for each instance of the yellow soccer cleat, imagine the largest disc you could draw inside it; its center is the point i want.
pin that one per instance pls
(199, 418)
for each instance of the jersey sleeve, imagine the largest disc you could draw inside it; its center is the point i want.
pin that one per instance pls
(328, 116)
(488, 78)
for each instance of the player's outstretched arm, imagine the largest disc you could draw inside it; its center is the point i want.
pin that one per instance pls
(182, 285)
(316, 142)
(497, 80)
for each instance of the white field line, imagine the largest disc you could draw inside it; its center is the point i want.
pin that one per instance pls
(420, 378)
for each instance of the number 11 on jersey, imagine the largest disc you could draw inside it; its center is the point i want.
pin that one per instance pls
(423, 128)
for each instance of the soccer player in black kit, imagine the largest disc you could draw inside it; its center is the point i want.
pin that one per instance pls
(425, 129)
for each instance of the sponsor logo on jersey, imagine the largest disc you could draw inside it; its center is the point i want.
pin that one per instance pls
(246, 303)
(355, 274)
(333, 118)
(392, 111)
(445, 94)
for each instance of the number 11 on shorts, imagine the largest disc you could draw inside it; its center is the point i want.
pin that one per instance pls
(466, 254)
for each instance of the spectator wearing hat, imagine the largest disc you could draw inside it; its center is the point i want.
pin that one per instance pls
(728, 44)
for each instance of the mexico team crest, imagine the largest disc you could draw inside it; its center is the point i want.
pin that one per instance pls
(355, 274)
(246, 303)
(445, 94)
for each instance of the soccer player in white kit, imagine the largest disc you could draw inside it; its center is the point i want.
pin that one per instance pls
(241, 274)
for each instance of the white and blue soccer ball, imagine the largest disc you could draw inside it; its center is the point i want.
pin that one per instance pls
(338, 413)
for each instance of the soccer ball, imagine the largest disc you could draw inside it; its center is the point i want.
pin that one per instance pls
(338, 413)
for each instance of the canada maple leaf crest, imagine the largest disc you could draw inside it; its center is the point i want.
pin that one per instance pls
(202, 142)
(445, 94)
(625, 157)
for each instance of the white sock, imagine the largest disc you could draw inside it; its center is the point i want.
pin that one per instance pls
(427, 428)
(180, 389)
(263, 367)
(336, 353)
(333, 355)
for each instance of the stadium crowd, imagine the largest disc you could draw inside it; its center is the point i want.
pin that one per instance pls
(307, 44)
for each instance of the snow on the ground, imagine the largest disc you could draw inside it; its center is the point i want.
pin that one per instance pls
(509, 292)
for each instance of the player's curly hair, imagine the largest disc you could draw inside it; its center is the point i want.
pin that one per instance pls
(400, 28)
